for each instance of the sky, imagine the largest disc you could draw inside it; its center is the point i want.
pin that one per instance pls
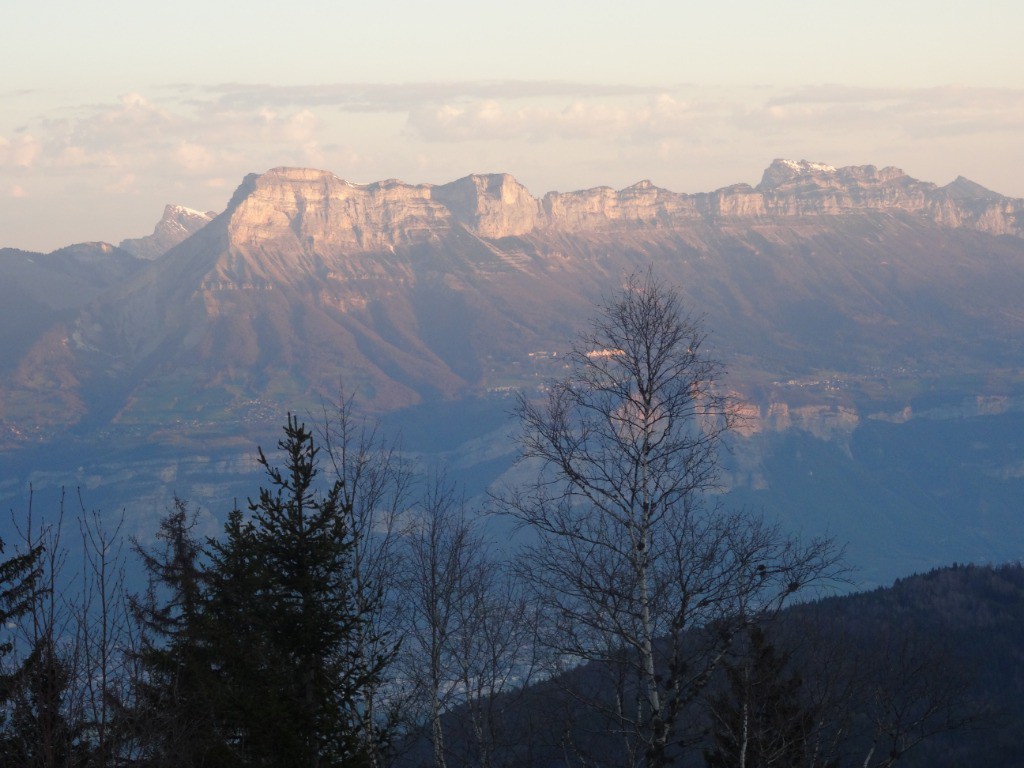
(109, 111)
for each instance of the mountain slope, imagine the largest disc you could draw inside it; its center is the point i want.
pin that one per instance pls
(946, 646)
(421, 292)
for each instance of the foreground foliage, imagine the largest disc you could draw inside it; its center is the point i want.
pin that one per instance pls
(255, 655)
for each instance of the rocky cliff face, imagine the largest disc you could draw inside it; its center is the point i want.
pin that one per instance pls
(492, 206)
(787, 189)
(320, 211)
(792, 188)
(846, 302)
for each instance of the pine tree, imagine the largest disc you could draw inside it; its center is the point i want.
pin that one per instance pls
(760, 721)
(19, 588)
(285, 621)
(174, 715)
(38, 734)
(18, 583)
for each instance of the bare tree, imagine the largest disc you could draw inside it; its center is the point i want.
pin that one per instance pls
(75, 641)
(375, 490)
(105, 633)
(629, 555)
(912, 689)
(469, 638)
(496, 654)
(875, 684)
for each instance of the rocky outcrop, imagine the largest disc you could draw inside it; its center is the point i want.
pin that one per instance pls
(791, 188)
(177, 224)
(603, 208)
(321, 211)
(427, 291)
(493, 206)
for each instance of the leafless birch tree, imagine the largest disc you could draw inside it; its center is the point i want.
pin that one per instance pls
(630, 554)
(469, 637)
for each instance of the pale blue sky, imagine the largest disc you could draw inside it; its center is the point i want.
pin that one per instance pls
(109, 110)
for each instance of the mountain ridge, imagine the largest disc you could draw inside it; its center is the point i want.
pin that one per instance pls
(496, 206)
(421, 291)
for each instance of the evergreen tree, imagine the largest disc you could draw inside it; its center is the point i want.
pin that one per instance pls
(38, 734)
(760, 721)
(285, 621)
(174, 715)
(18, 583)
(19, 577)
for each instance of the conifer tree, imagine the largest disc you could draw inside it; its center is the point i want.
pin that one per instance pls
(18, 583)
(18, 589)
(285, 620)
(37, 732)
(759, 721)
(174, 713)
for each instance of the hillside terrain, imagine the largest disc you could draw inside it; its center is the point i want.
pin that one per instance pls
(944, 650)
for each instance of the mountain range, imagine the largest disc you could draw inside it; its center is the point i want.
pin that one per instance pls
(845, 302)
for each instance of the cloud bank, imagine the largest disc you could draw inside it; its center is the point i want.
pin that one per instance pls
(196, 142)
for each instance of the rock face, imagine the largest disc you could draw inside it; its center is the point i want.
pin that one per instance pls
(323, 211)
(177, 224)
(845, 303)
(492, 206)
(790, 188)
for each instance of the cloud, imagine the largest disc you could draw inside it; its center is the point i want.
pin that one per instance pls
(135, 135)
(399, 97)
(620, 120)
(21, 152)
(918, 113)
(195, 158)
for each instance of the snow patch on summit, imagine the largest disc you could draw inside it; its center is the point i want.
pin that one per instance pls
(804, 165)
(183, 211)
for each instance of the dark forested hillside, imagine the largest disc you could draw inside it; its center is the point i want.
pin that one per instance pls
(962, 630)
(927, 672)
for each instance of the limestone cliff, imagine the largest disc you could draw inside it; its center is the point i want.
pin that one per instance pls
(321, 211)
(493, 205)
(423, 291)
(803, 188)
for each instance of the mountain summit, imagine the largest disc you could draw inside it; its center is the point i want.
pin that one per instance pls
(177, 223)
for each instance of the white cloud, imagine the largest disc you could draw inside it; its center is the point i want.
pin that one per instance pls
(399, 97)
(195, 158)
(620, 120)
(22, 152)
(922, 112)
